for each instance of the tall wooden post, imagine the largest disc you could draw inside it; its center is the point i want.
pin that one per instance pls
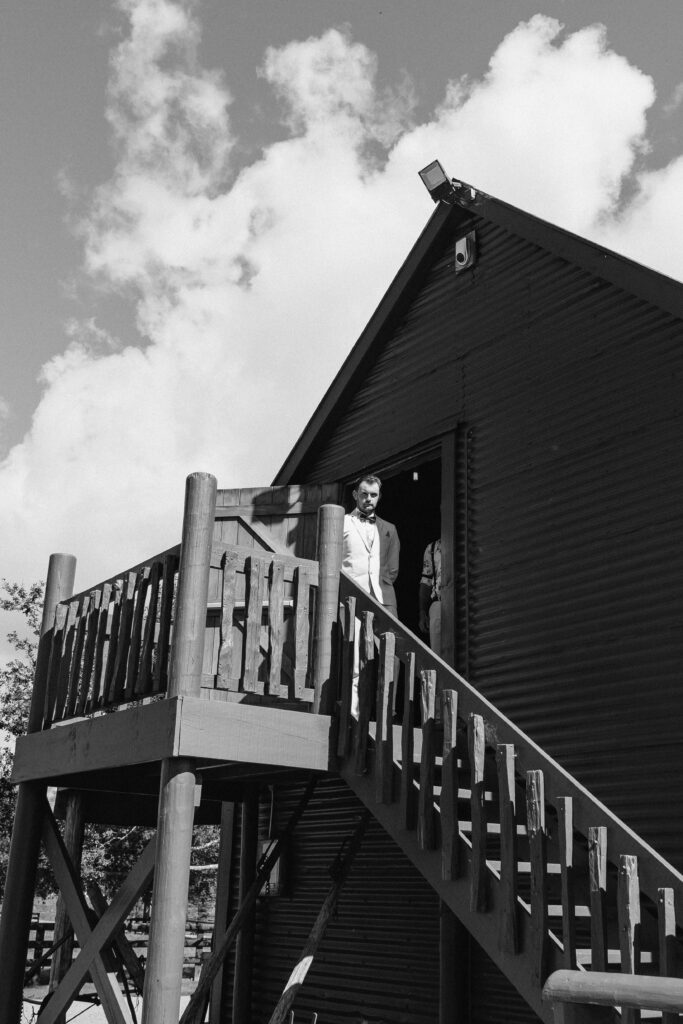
(17, 906)
(329, 555)
(244, 948)
(163, 974)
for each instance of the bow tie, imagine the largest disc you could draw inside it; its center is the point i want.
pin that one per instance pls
(367, 519)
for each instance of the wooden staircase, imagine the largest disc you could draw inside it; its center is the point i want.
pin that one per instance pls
(541, 873)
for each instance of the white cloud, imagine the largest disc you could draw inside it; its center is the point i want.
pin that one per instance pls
(250, 283)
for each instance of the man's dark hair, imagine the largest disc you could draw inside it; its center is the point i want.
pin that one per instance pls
(367, 478)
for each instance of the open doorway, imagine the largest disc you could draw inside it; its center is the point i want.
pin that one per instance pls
(411, 499)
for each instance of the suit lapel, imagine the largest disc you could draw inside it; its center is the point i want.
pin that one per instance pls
(361, 533)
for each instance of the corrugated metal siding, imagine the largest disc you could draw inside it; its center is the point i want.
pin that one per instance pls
(380, 953)
(573, 392)
(493, 1000)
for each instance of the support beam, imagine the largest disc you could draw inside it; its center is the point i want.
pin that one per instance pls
(244, 951)
(74, 827)
(454, 968)
(222, 908)
(329, 555)
(15, 922)
(164, 970)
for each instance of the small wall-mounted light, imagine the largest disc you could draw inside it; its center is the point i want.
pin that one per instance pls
(436, 181)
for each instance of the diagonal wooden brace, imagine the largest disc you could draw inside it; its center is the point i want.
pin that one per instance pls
(91, 940)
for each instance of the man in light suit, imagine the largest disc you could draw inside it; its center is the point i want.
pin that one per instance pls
(371, 545)
(370, 557)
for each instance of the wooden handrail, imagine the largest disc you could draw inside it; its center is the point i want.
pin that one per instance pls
(604, 988)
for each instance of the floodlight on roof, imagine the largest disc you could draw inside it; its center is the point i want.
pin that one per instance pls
(436, 181)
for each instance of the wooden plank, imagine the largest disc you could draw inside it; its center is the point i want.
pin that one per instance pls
(408, 791)
(93, 618)
(384, 741)
(56, 648)
(628, 914)
(222, 906)
(114, 622)
(228, 669)
(426, 817)
(77, 656)
(366, 688)
(538, 898)
(117, 690)
(142, 582)
(476, 743)
(145, 683)
(244, 947)
(276, 629)
(666, 928)
(255, 570)
(95, 700)
(65, 662)
(509, 929)
(302, 596)
(565, 823)
(170, 567)
(89, 960)
(347, 614)
(597, 876)
(450, 847)
(259, 510)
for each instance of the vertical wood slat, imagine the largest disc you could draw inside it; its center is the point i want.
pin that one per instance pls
(254, 569)
(408, 792)
(477, 753)
(348, 632)
(384, 743)
(77, 656)
(426, 817)
(535, 808)
(666, 927)
(135, 648)
(450, 832)
(118, 684)
(628, 914)
(66, 661)
(508, 937)
(93, 614)
(165, 623)
(114, 621)
(100, 643)
(276, 628)
(228, 670)
(565, 816)
(56, 648)
(302, 628)
(597, 879)
(366, 665)
(145, 681)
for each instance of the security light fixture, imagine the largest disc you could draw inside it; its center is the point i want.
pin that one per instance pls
(436, 181)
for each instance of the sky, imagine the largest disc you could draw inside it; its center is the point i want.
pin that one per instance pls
(202, 203)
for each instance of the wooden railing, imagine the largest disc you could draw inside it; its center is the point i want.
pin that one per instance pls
(110, 644)
(574, 887)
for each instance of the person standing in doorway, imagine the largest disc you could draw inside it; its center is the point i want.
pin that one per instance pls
(430, 595)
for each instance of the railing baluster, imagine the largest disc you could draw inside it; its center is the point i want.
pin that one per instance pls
(408, 793)
(384, 743)
(118, 685)
(165, 622)
(66, 662)
(508, 937)
(135, 648)
(276, 629)
(98, 669)
(426, 817)
(450, 832)
(255, 571)
(77, 656)
(535, 809)
(228, 671)
(565, 819)
(89, 650)
(302, 628)
(53, 672)
(597, 875)
(628, 912)
(477, 751)
(145, 679)
(366, 687)
(114, 623)
(348, 632)
(666, 922)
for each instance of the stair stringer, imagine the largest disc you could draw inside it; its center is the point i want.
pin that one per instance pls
(483, 926)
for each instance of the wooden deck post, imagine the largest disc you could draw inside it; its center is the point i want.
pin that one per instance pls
(17, 907)
(329, 555)
(163, 974)
(244, 949)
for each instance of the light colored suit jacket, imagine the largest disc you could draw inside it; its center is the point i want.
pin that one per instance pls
(373, 566)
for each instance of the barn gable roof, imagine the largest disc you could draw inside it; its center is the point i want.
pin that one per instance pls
(467, 208)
